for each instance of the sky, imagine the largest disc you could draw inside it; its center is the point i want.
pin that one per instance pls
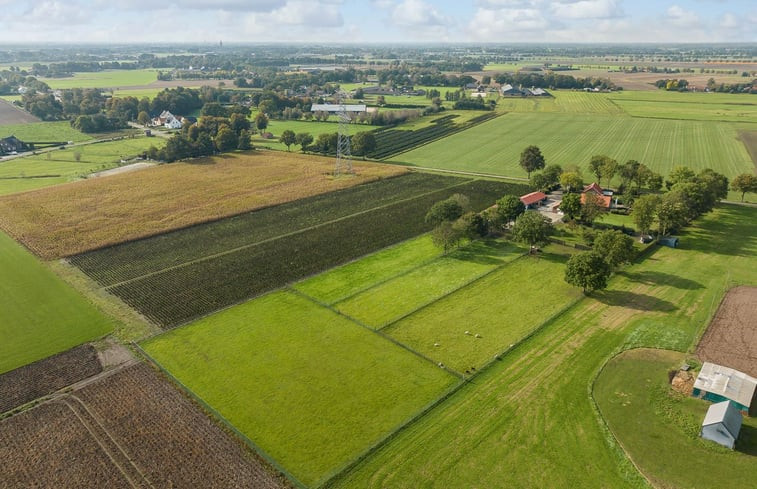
(377, 21)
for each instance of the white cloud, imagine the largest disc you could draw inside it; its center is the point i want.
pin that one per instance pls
(55, 12)
(680, 17)
(587, 9)
(506, 24)
(186, 5)
(411, 13)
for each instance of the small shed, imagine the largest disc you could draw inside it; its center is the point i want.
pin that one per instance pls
(671, 241)
(722, 424)
(717, 383)
(534, 199)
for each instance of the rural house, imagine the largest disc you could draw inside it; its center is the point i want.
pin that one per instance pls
(510, 91)
(604, 195)
(717, 383)
(12, 144)
(722, 424)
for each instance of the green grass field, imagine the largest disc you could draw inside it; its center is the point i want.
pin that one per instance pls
(104, 79)
(60, 166)
(495, 146)
(687, 106)
(388, 301)
(309, 387)
(561, 101)
(502, 308)
(660, 429)
(528, 420)
(44, 131)
(40, 315)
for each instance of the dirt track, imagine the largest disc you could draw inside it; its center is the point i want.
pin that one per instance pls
(731, 338)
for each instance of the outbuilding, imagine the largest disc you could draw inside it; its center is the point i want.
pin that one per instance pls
(670, 241)
(722, 424)
(717, 383)
(534, 199)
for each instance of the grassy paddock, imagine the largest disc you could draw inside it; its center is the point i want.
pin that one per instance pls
(660, 428)
(104, 79)
(393, 299)
(309, 387)
(44, 131)
(40, 315)
(495, 146)
(502, 308)
(494, 429)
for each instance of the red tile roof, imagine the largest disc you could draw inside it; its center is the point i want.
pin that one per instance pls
(594, 187)
(533, 198)
(607, 200)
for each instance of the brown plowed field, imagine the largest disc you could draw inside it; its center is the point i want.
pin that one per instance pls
(731, 338)
(86, 215)
(130, 429)
(46, 376)
(9, 114)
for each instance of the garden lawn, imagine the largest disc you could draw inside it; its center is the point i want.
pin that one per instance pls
(309, 387)
(566, 139)
(40, 315)
(659, 428)
(54, 167)
(528, 420)
(502, 308)
(355, 277)
(393, 299)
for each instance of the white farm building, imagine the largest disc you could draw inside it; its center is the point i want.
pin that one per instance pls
(722, 424)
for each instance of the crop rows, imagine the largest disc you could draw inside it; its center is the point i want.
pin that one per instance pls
(46, 376)
(134, 259)
(131, 429)
(177, 295)
(390, 142)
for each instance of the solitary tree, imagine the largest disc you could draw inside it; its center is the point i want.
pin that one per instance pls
(143, 118)
(288, 138)
(644, 211)
(532, 228)
(531, 159)
(446, 210)
(591, 208)
(571, 205)
(304, 139)
(746, 182)
(509, 208)
(597, 166)
(571, 181)
(261, 122)
(587, 270)
(615, 247)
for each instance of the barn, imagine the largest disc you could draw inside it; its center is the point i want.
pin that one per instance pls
(722, 424)
(534, 199)
(717, 383)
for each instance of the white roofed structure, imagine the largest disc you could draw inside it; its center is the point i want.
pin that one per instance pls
(722, 424)
(719, 383)
(338, 108)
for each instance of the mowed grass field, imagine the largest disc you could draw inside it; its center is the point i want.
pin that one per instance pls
(60, 166)
(104, 79)
(44, 131)
(309, 387)
(80, 216)
(40, 315)
(572, 139)
(657, 427)
(528, 420)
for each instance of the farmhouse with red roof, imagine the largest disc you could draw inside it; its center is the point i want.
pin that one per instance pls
(534, 199)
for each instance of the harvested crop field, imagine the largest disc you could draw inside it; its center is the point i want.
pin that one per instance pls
(731, 338)
(46, 376)
(86, 215)
(176, 277)
(9, 114)
(131, 429)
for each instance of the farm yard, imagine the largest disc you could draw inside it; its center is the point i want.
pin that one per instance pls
(40, 315)
(172, 288)
(61, 166)
(81, 216)
(656, 425)
(129, 429)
